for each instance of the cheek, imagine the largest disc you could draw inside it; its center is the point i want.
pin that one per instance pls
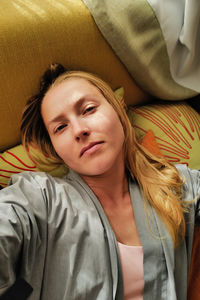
(113, 129)
(118, 136)
(116, 129)
(109, 120)
(63, 147)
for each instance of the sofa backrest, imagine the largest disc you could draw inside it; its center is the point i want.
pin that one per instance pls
(35, 33)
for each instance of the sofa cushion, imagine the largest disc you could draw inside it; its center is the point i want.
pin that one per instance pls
(176, 127)
(34, 34)
(150, 143)
(17, 159)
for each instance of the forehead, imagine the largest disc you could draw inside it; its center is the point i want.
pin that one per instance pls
(73, 88)
(67, 93)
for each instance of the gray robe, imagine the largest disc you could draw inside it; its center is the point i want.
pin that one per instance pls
(55, 235)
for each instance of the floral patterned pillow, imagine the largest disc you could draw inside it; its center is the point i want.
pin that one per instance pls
(176, 127)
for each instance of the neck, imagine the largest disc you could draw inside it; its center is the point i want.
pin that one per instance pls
(111, 186)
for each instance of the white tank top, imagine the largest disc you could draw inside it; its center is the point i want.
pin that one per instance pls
(132, 270)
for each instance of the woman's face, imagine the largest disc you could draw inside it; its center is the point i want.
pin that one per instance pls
(83, 127)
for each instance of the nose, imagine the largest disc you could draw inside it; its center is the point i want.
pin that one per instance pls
(80, 130)
(82, 134)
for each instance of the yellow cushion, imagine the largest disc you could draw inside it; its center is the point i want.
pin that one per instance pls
(17, 160)
(150, 143)
(176, 127)
(35, 33)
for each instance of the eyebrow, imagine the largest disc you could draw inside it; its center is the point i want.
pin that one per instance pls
(61, 116)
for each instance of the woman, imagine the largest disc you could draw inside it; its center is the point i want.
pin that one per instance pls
(116, 226)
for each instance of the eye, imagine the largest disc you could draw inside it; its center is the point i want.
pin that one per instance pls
(60, 128)
(89, 109)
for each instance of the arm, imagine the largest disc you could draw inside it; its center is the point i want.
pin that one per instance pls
(21, 208)
(11, 240)
(191, 187)
(195, 179)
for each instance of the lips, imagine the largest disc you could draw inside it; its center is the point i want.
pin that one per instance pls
(89, 147)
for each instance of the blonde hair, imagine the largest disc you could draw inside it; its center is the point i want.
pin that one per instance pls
(159, 180)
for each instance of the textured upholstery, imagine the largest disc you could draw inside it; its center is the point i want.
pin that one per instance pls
(35, 33)
(176, 127)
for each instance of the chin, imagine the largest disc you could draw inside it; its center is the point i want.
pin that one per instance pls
(100, 165)
(94, 173)
(97, 171)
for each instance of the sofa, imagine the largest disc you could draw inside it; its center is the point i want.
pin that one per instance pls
(35, 33)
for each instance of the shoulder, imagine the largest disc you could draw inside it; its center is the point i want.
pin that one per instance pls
(40, 193)
(23, 195)
(29, 191)
(39, 182)
(191, 179)
(36, 179)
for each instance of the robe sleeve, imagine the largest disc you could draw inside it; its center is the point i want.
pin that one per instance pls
(22, 210)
